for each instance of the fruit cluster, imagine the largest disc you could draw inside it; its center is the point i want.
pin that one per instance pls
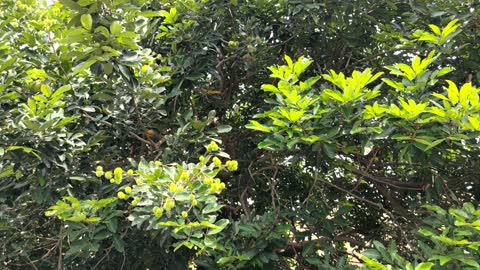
(173, 190)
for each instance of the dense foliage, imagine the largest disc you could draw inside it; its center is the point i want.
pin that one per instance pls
(240, 134)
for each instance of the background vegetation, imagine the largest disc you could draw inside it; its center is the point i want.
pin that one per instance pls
(240, 134)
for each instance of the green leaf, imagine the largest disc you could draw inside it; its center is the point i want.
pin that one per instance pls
(103, 30)
(308, 249)
(408, 72)
(270, 88)
(84, 66)
(424, 266)
(292, 142)
(45, 89)
(70, 4)
(372, 253)
(255, 125)
(443, 259)
(115, 28)
(330, 150)
(435, 29)
(301, 65)
(86, 20)
(221, 225)
(314, 261)
(335, 95)
(85, 3)
(453, 93)
(169, 224)
(373, 263)
(444, 71)
(368, 147)
(112, 225)
(289, 62)
(118, 243)
(394, 85)
(186, 243)
(448, 30)
(224, 129)
(468, 261)
(149, 14)
(212, 208)
(76, 247)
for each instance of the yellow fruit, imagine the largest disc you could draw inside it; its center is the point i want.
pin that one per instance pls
(135, 201)
(130, 172)
(172, 187)
(217, 161)
(208, 181)
(158, 163)
(121, 195)
(117, 174)
(157, 211)
(184, 176)
(128, 190)
(108, 175)
(212, 146)
(184, 214)
(139, 181)
(169, 204)
(232, 44)
(118, 179)
(232, 165)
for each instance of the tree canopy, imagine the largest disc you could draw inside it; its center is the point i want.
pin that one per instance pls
(239, 134)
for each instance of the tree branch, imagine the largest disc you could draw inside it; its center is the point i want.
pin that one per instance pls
(391, 182)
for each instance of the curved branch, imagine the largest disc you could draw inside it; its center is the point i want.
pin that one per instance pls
(393, 183)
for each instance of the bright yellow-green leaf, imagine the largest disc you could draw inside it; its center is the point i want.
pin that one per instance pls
(449, 29)
(474, 121)
(394, 85)
(255, 125)
(424, 266)
(437, 111)
(464, 95)
(407, 71)
(416, 64)
(453, 93)
(301, 65)
(269, 88)
(289, 62)
(435, 29)
(444, 71)
(334, 94)
(86, 20)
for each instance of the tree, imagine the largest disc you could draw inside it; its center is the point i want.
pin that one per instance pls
(162, 134)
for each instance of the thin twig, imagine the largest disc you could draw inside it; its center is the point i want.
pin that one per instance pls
(60, 247)
(365, 171)
(391, 182)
